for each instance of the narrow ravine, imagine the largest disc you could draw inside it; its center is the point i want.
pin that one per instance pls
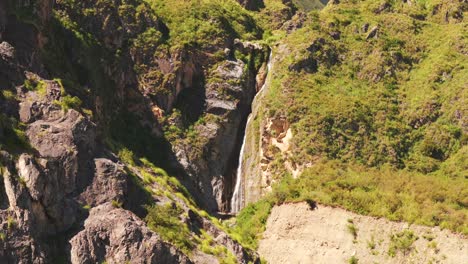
(237, 200)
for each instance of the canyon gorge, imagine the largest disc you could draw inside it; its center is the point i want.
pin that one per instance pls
(248, 131)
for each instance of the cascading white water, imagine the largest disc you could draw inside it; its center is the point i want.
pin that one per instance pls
(238, 195)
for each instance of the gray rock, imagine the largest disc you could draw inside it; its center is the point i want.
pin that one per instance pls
(45, 198)
(365, 28)
(59, 138)
(118, 236)
(373, 33)
(382, 7)
(37, 106)
(296, 22)
(109, 184)
(210, 166)
(242, 255)
(7, 51)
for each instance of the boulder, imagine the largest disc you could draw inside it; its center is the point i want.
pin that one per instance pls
(118, 236)
(109, 184)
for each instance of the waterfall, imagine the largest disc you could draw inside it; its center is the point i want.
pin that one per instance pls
(238, 195)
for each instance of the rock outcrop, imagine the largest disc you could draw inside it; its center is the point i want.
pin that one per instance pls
(252, 4)
(116, 235)
(321, 53)
(63, 193)
(227, 104)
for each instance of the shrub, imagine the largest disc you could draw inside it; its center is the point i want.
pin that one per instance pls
(352, 229)
(401, 242)
(11, 223)
(69, 102)
(22, 181)
(164, 220)
(14, 138)
(353, 260)
(126, 156)
(117, 204)
(371, 243)
(433, 245)
(250, 223)
(35, 85)
(8, 95)
(385, 192)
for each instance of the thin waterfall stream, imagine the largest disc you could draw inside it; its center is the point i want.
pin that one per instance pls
(238, 195)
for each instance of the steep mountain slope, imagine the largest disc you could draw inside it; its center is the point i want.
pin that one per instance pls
(366, 110)
(99, 99)
(122, 120)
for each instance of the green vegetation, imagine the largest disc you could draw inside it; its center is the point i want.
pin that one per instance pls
(385, 192)
(164, 219)
(402, 242)
(371, 243)
(11, 223)
(117, 204)
(380, 117)
(8, 95)
(208, 246)
(353, 260)
(352, 229)
(13, 138)
(66, 101)
(22, 181)
(36, 85)
(309, 5)
(205, 23)
(428, 236)
(250, 223)
(433, 246)
(69, 102)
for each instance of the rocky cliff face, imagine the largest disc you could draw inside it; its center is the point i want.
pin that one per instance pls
(211, 159)
(72, 72)
(110, 233)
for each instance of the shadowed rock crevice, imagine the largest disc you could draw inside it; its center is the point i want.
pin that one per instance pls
(191, 101)
(254, 5)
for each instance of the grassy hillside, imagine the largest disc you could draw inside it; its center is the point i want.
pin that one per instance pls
(398, 98)
(376, 94)
(309, 5)
(205, 22)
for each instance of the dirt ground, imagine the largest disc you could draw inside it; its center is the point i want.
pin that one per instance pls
(297, 234)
